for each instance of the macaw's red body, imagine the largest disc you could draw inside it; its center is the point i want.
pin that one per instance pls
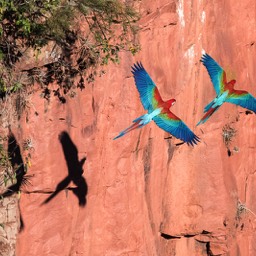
(158, 110)
(225, 90)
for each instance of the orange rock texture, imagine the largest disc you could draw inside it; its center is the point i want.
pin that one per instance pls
(142, 194)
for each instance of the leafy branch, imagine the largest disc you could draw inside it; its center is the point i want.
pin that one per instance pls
(81, 34)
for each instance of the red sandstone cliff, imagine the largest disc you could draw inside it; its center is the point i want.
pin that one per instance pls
(144, 195)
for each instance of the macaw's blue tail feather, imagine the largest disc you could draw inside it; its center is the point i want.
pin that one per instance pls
(207, 115)
(207, 107)
(120, 135)
(138, 119)
(137, 123)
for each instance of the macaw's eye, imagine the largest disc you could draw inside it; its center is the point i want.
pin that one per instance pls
(173, 103)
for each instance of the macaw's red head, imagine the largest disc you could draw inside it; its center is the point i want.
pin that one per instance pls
(170, 102)
(232, 82)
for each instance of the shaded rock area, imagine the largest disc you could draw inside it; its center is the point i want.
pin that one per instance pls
(142, 194)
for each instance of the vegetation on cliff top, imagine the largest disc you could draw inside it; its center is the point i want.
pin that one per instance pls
(79, 34)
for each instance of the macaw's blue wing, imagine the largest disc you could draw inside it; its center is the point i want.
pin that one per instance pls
(243, 99)
(172, 124)
(149, 94)
(216, 73)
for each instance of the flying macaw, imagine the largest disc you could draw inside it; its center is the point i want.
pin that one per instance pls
(158, 110)
(225, 90)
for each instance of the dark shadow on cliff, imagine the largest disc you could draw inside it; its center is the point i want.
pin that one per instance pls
(17, 164)
(75, 171)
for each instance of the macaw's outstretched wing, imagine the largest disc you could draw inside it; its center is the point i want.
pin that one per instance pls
(243, 99)
(149, 94)
(216, 73)
(172, 124)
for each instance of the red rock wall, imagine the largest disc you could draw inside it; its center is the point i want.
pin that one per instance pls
(145, 195)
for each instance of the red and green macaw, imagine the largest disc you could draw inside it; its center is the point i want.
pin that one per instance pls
(225, 90)
(158, 110)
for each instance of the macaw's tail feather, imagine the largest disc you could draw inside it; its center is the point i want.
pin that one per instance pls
(207, 115)
(138, 119)
(208, 106)
(137, 123)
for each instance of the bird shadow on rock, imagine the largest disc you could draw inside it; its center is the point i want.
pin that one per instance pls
(75, 171)
(18, 172)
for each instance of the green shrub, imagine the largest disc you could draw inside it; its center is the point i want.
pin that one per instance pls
(111, 27)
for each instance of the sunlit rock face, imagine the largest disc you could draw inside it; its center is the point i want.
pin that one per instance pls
(142, 194)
